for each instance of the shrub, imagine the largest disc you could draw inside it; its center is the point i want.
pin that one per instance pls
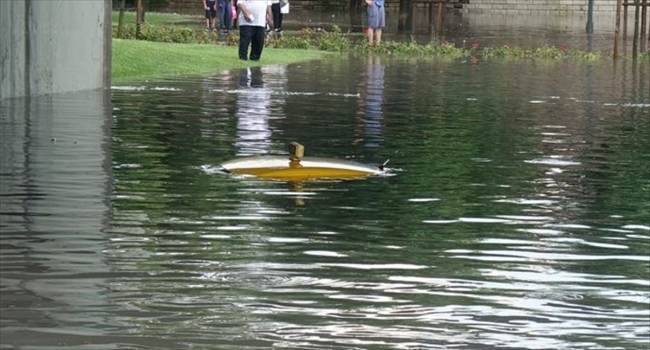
(504, 51)
(413, 49)
(166, 34)
(313, 39)
(333, 41)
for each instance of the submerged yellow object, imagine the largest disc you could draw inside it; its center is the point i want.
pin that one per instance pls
(309, 168)
(299, 168)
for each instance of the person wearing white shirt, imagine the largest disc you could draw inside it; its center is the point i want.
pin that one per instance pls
(254, 15)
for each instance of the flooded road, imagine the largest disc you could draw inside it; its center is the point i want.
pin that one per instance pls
(517, 214)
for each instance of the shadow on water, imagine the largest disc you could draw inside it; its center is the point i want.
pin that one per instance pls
(517, 216)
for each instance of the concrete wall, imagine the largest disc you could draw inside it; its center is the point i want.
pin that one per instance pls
(560, 15)
(51, 46)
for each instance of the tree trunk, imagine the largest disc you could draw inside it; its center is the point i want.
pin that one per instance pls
(120, 21)
(140, 9)
(138, 18)
(405, 17)
(355, 8)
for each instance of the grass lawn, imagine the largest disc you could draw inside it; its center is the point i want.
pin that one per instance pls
(135, 60)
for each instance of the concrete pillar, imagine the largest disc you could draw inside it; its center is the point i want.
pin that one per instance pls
(51, 46)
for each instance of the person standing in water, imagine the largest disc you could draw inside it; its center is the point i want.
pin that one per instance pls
(376, 20)
(255, 14)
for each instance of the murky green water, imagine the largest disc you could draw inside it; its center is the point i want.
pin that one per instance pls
(517, 214)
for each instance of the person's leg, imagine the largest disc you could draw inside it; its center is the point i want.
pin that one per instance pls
(257, 43)
(381, 22)
(377, 36)
(372, 22)
(220, 13)
(209, 16)
(227, 14)
(245, 35)
(275, 9)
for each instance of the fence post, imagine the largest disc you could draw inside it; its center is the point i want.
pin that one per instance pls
(644, 22)
(617, 30)
(635, 39)
(120, 22)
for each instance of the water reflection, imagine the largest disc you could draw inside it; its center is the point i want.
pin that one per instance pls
(519, 217)
(253, 113)
(54, 172)
(496, 234)
(259, 100)
(372, 97)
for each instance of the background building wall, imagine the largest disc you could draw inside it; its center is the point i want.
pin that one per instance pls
(549, 6)
(559, 6)
(560, 15)
(54, 46)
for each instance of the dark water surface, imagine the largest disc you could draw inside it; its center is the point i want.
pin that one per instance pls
(517, 214)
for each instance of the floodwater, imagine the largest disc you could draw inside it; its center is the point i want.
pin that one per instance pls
(516, 213)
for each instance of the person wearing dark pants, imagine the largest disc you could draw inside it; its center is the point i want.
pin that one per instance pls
(253, 36)
(254, 15)
(277, 15)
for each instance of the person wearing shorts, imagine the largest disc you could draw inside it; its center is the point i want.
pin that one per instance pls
(210, 13)
(376, 20)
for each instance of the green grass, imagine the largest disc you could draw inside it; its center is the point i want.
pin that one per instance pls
(133, 59)
(175, 44)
